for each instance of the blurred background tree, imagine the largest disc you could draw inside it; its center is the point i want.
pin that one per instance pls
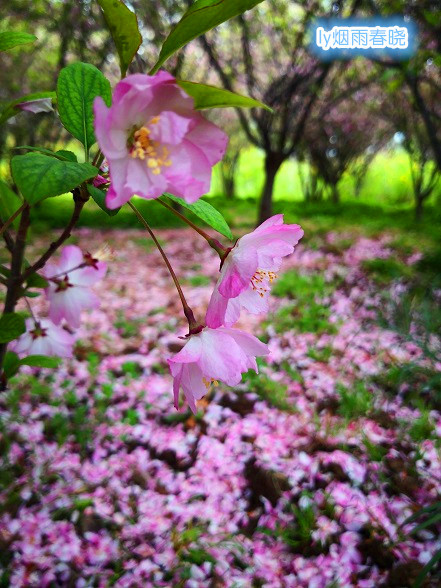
(330, 120)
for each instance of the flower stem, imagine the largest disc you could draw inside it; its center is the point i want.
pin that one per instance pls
(194, 326)
(214, 243)
(12, 218)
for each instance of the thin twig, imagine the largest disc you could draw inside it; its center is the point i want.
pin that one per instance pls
(214, 243)
(192, 323)
(79, 203)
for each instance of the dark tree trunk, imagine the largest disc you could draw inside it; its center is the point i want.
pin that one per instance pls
(229, 187)
(418, 208)
(273, 161)
(335, 194)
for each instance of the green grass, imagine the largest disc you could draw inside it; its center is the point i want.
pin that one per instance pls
(384, 271)
(385, 204)
(355, 402)
(274, 393)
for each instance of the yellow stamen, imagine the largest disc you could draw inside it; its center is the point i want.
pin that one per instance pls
(146, 149)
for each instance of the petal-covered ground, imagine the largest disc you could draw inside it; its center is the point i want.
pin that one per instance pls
(300, 477)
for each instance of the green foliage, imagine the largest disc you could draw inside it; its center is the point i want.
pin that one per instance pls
(206, 96)
(131, 418)
(420, 382)
(202, 16)
(11, 39)
(272, 392)
(41, 361)
(197, 281)
(123, 26)
(129, 328)
(131, 368)
(9, 202)
(77, 87)
(12, 325)
(40, 176)
(301, 287)
(356, 402)
(99, 198)
(307, 315)
(384, 271)
(11, 364)
(422, 428)
(322, 354)
(304, 317)
(298, 534)
(375, 452)
(207, 213)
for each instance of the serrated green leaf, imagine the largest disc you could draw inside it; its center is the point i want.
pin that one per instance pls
(77, 87)
(207, 213)
(41, 361)
(11, 109)
(206, 96)
(10, 202)
(11, 39)
(39, 176)
(202, 16)
(99, 198)
(12, 325)
(123, 26)
(11, 364)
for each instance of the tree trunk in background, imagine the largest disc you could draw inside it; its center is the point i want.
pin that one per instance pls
(273, 161)
(419, 201)
(335, 194)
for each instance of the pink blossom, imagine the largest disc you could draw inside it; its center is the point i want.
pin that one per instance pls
(154, 141)
(249, 270)
(42, 337)
(69, 285)
(211, 355)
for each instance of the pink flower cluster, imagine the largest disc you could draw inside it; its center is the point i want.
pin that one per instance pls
(154, 141)
(69, 293)
(220, 352)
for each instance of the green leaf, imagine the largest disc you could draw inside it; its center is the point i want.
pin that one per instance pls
(11, 109)
(11, 39)
(123, 26)
(11, 364)
(206, 96)
(30, 294)
(10, 202)
(77, 86)
(425, 571)
(202, 16)
(436, 518)
(67, 155)
(4, 271)
(36, 281)
(39, 176)
(58, 154)
(12, 325)
(100, 199)
(207, 213)
(41, 361)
